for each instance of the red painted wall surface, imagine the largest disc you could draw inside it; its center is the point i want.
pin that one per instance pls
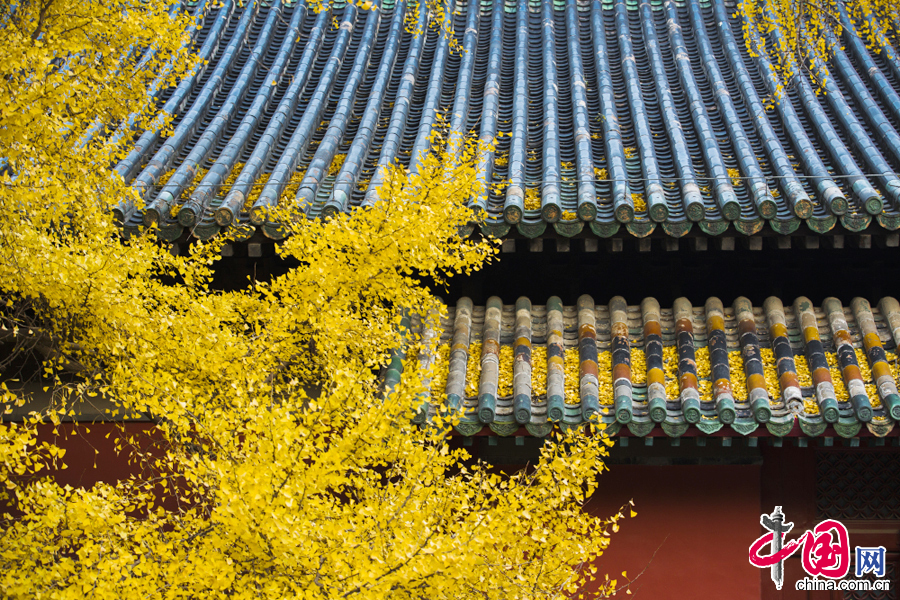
(91, 454)
(691, 535)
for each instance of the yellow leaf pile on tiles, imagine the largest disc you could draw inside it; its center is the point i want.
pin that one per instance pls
(568, 215)
(164, 179)
(804, 377)
(670, 368)
(840, 390)
(473, 369)
(572, 385)
(803, 374)
(188, 190)
(872, 393)
(198, 180)
(440, 371)
(892, 361)
(572, 381)
(638, 367)
(539, 371)
(336, 163)
(604, 372)
(638, 200)
(257, 188)
(735, 177)
(866, 373)
(229, 181)
(770, 371)
(701, 357)
(863, 361)
(738, 377)
(704, 371)
(532, 198)
(290, 192)
(505, 379)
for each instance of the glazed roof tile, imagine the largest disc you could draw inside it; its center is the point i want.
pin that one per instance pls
(605, 116)
(781, 368)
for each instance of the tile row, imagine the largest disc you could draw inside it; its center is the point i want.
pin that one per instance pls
(508, 366)
(631, 115)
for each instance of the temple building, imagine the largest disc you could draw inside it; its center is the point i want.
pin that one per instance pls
(707, 269)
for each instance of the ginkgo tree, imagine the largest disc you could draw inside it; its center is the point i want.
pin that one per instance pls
(809, 30)
(280, 464)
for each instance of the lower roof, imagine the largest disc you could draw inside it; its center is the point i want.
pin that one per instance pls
(778, 369)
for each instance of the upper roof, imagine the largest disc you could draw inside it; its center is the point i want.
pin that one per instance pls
(605, 115)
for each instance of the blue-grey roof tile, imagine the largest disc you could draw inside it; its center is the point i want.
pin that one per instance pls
(605, 116)
(713, 369)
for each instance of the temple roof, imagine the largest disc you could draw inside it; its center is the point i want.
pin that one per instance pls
(782, 369)
(606, 116)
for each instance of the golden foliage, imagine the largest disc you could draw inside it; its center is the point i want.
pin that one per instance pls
(572, 384)
(539, 371)
(336, 163)
(293, 471)
(473, 370)
(840, 390)
(532, 198)
(604, 378)
(638, 366)
(670, 369)
(892, 361)
(572, 381)
(770, 371)
(704, 370)
(260, 184)
(803, 375)
(799, 37)
(505, 382)
(439, 381)
(639, 204)
(290, 190)
(738, 377)
(670, 365)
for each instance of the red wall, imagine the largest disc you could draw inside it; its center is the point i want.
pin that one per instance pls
(692, 531)
(91, 454)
